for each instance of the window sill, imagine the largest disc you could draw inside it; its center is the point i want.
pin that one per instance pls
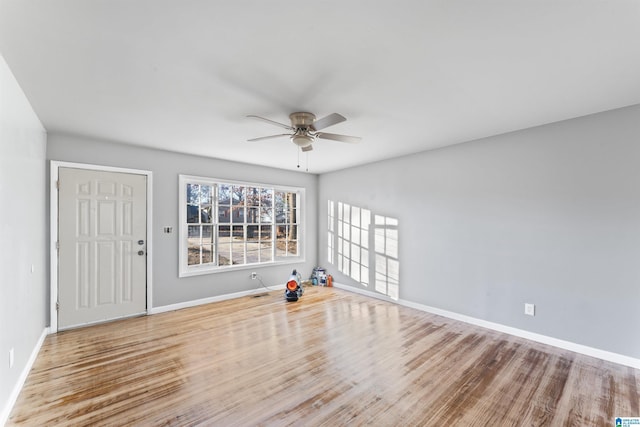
(199, 271)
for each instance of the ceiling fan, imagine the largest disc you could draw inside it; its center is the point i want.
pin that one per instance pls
(304, 129)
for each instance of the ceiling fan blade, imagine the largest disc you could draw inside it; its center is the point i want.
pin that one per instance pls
(341, 138)
(282, 125)
(307, 148)
(268, 137)
(325, 122)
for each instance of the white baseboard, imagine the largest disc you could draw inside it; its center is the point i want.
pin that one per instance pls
(6, 411)
(544, 339)
(194, 303)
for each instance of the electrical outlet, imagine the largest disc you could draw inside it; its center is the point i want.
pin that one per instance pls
(254, 275)
(529, 309)
(11, 358)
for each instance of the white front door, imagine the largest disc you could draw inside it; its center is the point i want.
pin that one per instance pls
(102, 246)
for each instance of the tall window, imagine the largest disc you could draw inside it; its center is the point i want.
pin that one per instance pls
(353, 242)
(330, 233)
(200, 237)
(228, 225)
(286, 212)
(387, 262)
(344, 237)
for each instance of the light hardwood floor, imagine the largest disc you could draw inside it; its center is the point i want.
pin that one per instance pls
(332, 358)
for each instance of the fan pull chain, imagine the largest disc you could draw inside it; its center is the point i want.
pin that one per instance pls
(307, 162)
(298, 150)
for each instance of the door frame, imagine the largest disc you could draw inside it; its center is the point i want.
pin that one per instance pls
(55, 165)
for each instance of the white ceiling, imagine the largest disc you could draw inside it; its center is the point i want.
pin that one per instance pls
(408, 75)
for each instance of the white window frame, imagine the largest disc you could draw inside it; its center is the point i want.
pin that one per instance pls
(186, 270)
(331, 225)
(353, 248)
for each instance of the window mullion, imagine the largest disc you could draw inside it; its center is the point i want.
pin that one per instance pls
(245, 232)
(214, 223)
(200, 237)
(274, 238)
(258, 222)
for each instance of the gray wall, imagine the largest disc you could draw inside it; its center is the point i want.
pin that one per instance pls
(24, 227)
(548, 215)
(166, 166)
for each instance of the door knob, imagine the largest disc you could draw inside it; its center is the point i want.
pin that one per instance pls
(140, 252)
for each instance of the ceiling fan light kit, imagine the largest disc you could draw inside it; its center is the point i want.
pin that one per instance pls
(305, 129)
(302, 140)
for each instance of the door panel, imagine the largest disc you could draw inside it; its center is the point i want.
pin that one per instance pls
(102, 255)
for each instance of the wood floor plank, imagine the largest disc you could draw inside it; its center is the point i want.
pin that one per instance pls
(332, 358)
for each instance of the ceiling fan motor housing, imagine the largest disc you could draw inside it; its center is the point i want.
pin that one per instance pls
(302, 120)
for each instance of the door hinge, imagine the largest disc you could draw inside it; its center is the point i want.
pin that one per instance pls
(57, 305)
(58, 245)
(58, 184)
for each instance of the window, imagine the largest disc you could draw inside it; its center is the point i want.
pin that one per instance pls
(353, 242)
(226, 225)
(387, 263)
(330, 232)
(364, 247)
